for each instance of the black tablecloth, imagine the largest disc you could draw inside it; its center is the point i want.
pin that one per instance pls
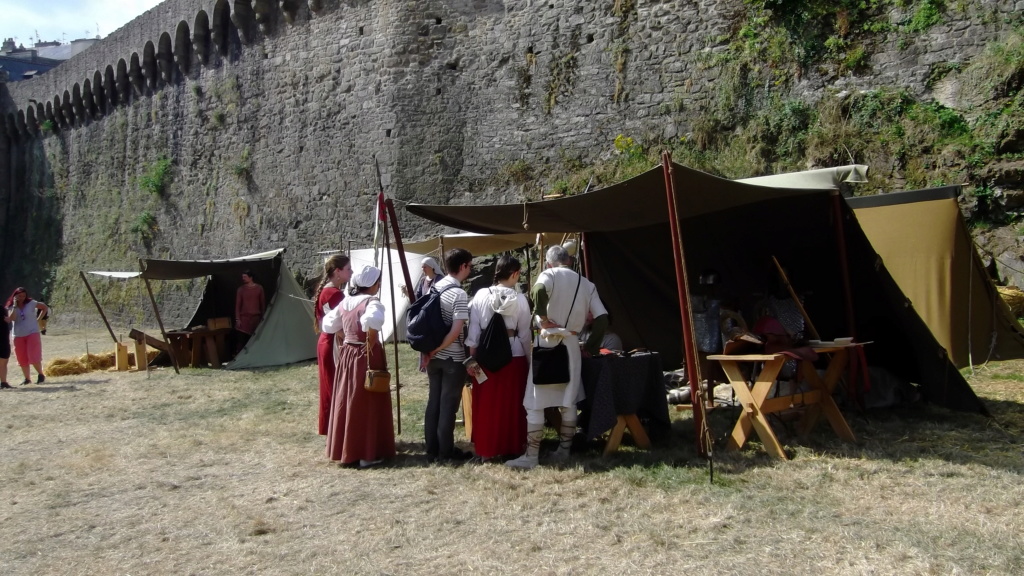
(624, 385)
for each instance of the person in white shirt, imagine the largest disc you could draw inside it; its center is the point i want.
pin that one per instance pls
(499, 419)
(562, 299)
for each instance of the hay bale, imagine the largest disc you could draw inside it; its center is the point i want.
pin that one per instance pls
(65, 367)
(98, 361)
(1013, 297)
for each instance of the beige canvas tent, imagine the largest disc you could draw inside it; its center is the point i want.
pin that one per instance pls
(923, 240)
(926, 246)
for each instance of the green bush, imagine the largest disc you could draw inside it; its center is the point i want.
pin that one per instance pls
(156, 178)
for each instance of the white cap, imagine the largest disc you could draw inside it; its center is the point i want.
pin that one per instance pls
(366, 277)
(428, 261)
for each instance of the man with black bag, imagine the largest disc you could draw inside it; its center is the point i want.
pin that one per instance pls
(562, 300)
(445, 370)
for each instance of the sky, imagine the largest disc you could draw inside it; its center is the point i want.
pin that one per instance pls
(66, 20)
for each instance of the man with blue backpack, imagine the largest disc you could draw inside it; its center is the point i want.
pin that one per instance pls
(445, 370)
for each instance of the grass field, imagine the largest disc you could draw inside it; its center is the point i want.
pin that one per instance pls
(218, 472)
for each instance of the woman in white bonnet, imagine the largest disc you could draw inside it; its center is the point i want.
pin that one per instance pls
(499, 419)
(431, 275)
(361, 430)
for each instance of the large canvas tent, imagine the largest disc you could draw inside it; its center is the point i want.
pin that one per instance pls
(926, 246)
(923, 240)
(734, 229)
(285, 335)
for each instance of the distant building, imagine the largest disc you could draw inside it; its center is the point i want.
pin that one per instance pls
(20, 63)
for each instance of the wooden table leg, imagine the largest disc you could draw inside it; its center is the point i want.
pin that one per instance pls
(751, 399)
(616, 436)
(826, 404)
(211, 351)
(196, 352)
(637, 430)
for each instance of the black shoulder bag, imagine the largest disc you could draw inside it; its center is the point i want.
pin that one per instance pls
(551, 365)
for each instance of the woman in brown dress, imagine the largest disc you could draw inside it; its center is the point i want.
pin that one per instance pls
(361, 429)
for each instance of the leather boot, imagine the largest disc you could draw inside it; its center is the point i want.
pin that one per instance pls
(565, 435)
(529, 460)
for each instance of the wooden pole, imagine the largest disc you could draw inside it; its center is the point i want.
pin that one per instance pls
(98, 307)
(585, 250)
(156, 312)
(683, 290)
(390, 208)
(394, 328)
(796, 300)
(844, 263)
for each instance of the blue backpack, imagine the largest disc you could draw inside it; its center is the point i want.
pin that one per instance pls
(426, 326)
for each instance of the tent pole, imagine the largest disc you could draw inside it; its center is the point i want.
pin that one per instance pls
(98, 307)
(440, 243)
(394, 327)
(586, 253)
(390, 206)
(683, 290)
(844, 263)
(156, 312)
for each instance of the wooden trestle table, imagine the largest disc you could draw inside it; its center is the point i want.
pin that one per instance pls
(757, 405)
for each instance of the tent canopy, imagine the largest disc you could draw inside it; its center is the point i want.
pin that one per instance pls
(285, 335)
(734, 229)
(477, 244)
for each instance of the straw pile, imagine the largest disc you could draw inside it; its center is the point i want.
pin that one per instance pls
(89, 363)
(65, 367)
(1014, 297)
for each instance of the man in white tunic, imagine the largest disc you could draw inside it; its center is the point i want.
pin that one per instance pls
(562, 300)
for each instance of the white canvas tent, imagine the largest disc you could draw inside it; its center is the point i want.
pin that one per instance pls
(395, 303)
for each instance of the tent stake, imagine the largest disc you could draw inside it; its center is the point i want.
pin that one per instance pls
(156, 312)
(98, 307)
(683, 290)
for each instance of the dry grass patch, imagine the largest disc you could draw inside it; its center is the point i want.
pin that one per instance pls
(218, 472)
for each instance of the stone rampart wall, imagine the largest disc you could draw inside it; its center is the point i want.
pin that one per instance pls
(272, 113)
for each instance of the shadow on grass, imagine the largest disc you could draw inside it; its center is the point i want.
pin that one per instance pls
(50, 389)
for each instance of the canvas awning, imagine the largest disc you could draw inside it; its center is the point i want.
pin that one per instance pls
(477, 244)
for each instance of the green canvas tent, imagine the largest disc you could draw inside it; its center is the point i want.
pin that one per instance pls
(735, 229)
(285, 335)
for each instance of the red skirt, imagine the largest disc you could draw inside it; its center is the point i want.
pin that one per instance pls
(499, 419)
(325, 359)
(361, 424)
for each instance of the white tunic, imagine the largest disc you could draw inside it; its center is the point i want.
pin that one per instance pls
(373, 316)
(514, 310)
(560, 284)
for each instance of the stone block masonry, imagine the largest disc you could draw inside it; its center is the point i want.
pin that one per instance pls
(271, 115)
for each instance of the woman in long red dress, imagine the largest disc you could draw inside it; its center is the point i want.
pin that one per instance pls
(499, 419)
(361, 428)
(337, 271)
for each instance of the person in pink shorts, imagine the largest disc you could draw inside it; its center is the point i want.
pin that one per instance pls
(28, 346)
